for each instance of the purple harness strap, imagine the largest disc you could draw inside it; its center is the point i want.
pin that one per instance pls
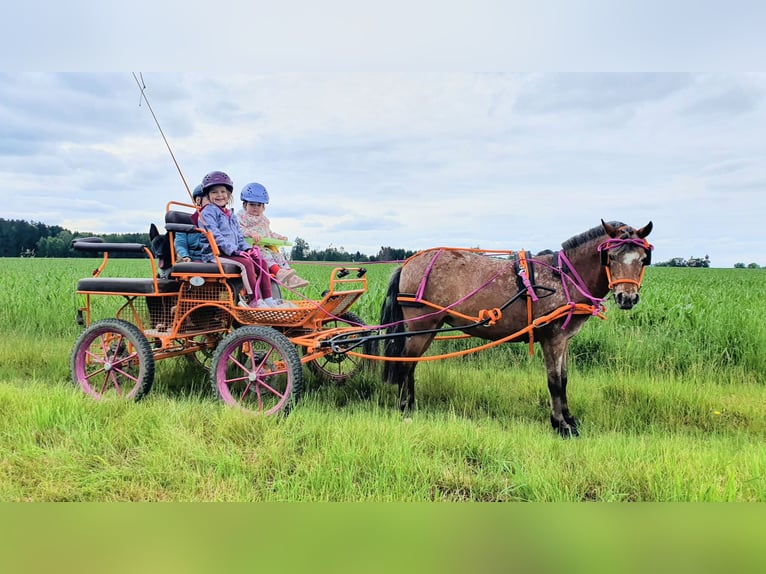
(579, 284)
(424, 280)
(525, 280)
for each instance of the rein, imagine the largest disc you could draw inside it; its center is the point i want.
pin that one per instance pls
(596, 303)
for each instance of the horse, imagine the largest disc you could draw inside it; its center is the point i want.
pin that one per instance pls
(546, 298)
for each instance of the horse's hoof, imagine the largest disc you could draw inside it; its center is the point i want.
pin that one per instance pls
(407, 420)
(570, 432)
(567, 428)
(572, 422)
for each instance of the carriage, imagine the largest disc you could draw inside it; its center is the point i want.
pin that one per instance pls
(191, 310)
(256, 355)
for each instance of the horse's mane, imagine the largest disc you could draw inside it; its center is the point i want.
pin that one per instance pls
(586, 236)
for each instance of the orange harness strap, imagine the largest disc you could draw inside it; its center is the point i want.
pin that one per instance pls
(576, 309)
(524, 268)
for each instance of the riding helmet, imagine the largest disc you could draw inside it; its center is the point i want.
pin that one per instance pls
(217, 178)
(254, 193)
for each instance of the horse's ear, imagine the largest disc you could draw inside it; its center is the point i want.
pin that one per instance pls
(645, 230)
(611, 230)
(153, 231)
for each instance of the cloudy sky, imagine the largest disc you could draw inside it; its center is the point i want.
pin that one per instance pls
(371, 126)
(359, 161)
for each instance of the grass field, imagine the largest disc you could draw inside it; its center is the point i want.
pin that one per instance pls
(671, 395)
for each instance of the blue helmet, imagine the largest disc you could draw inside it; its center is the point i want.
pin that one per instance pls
(254, 193)
(197, 192)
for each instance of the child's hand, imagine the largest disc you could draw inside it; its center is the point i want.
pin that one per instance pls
(256, 237)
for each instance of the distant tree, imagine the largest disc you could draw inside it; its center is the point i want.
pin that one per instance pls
(300, 250)
(392, 254)
(753, 266)
(359, 257)
(16, 235)
(681, 262)
(58, 246)
(739, 265)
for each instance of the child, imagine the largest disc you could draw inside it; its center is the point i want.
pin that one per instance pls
(187, 245)
(255, 224)
(215, 216)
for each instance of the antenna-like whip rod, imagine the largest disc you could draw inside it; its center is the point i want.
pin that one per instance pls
(142, 88)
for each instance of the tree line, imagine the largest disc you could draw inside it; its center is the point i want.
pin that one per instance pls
(20, 238)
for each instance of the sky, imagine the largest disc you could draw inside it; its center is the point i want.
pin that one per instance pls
(385, 126)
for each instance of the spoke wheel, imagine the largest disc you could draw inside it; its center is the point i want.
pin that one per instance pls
(257, 369)
(204, 357)
(338, 367)
(113, 358)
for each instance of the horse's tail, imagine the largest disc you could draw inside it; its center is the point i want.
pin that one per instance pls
(391, 314)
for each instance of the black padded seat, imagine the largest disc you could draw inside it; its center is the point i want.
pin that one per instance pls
(97, 245)
(197, 267)
(179, 221)
(123, 285)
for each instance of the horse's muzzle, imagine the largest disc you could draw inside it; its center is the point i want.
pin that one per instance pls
(626, 300)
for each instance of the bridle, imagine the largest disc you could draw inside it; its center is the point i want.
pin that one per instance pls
(611, 243)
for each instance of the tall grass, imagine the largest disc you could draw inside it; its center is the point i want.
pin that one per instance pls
(670, 395)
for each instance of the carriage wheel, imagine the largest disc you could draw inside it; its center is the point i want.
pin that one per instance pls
(204, 356)
(113, 358)
(338, 367)
(257, 369)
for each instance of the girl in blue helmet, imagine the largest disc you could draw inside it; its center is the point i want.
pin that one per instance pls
(256, 225)
(216, 217)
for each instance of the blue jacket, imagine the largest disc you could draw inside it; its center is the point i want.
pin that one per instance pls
(225, 230)
(188, 245)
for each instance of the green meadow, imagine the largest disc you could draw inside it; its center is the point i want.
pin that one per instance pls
(671, 397)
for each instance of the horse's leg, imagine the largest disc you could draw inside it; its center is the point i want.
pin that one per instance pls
(554, 352)
(406, 384)
(403, 374)
(572, 421)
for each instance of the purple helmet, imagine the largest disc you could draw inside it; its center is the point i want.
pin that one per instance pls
(254, 193)
(216, 178)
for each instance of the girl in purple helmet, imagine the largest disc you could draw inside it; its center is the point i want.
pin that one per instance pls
(216, 217)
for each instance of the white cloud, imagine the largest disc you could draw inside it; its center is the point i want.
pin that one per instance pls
(408, 160)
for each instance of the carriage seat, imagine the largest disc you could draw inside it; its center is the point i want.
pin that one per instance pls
(181, 222)
(121, 285)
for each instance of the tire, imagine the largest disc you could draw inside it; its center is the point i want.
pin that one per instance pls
(113, 358)
(258, 370)
(338, 367)
(204, 357)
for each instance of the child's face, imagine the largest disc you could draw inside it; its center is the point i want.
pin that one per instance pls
(254, 208)
(219, 195)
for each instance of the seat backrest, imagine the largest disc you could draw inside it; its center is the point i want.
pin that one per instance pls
(179, 221)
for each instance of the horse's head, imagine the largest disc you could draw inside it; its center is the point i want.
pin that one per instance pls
(625, 255)
(161, 250)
